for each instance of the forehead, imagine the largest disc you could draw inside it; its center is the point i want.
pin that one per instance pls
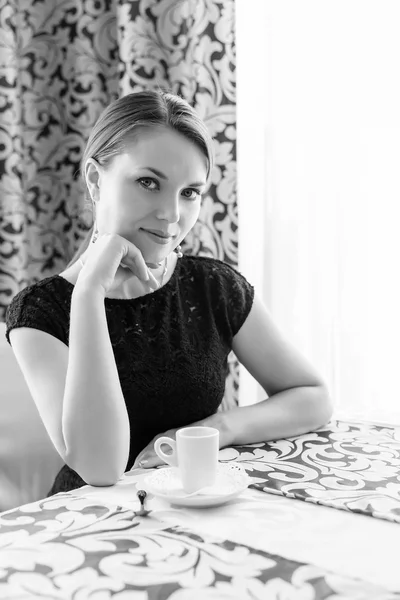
(167, 150)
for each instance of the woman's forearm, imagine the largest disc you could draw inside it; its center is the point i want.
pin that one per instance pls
(95, 420)
(285, 414)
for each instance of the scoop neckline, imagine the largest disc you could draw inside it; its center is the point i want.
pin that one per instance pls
(137, 298)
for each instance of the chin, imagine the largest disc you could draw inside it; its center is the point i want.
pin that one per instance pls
(152, 253)
(150, 256)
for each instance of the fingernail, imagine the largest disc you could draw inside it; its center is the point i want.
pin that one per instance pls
(142, 463)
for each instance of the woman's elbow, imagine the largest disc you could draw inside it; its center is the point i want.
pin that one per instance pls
(96, 474)
(102, 481)
(102, 478)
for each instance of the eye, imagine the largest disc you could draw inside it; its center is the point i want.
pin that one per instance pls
(148, 183)
(193, 193)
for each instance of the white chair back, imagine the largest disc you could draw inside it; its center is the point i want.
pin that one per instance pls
(28, 460)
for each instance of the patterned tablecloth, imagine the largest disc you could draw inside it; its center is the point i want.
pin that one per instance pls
(90, 544)
(73, 547)
(350, 466)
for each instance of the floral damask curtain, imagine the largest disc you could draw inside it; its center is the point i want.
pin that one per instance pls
(61, 63)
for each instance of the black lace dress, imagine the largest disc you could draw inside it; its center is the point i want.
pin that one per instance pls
(170, 346)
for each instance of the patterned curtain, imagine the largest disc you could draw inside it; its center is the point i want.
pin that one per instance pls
(61, 63)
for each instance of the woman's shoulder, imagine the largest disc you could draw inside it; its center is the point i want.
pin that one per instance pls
(228, 293)
(215, 268)
(53, 287)
(44, 305)
(206, 263)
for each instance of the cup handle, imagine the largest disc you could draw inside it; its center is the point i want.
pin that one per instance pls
(170, 459)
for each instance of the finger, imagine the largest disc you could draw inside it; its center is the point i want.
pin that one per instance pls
(137, 460)
(151, 462)
(146, 455)
(153, 281)
(149, 459)
(143, 456)
(134, 260)
(137, 266)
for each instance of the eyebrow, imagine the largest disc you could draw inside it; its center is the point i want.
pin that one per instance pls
(162, 176)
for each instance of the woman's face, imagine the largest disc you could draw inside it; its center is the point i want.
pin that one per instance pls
(151, 193)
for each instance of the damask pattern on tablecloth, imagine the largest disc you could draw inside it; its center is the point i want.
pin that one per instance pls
(350, 466)
(68, 546)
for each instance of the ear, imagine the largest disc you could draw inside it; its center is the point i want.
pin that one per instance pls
(92, 177)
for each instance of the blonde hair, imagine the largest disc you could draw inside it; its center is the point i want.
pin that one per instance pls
(119, 121)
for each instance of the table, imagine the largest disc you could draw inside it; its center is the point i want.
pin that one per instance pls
(87, 543)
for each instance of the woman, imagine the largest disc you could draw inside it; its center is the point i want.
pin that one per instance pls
(130, 342)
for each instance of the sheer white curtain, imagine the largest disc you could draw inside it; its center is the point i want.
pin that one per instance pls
(318, 97)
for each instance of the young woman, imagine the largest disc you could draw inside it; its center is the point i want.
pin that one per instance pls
(130, 342)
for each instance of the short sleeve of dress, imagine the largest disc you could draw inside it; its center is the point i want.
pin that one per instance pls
(241, 296)
(36, 307)
(234, 296)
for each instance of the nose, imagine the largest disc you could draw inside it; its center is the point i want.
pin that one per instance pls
(169, 209)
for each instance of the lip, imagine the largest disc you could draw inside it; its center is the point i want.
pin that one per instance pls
(156, 237)
(160, 233)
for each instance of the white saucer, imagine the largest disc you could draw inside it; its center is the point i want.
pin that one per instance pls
(165, 483)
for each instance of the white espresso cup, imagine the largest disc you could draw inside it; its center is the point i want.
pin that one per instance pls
(195, 453)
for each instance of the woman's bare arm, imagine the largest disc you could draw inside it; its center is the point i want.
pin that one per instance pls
(298, 399)
(95, 422)
(77, 389)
